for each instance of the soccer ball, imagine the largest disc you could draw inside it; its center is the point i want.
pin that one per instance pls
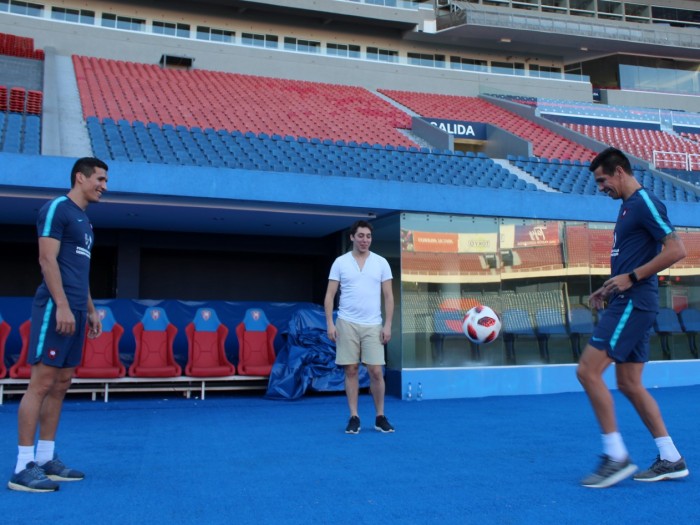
(481, 325)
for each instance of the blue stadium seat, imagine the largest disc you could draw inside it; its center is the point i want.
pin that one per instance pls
(666, 325)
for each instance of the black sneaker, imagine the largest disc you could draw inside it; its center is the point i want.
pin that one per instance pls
(353, 426)
(609, 472)
(382, 424)
(663, 469)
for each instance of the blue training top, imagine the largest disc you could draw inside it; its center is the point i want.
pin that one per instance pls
(65, 221)
(641, 224)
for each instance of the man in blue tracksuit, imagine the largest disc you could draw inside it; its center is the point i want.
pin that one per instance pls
(644, 244)
(61, 310)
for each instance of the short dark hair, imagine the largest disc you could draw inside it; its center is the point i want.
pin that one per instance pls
(86, 166)
(609, 159)
(360, 224)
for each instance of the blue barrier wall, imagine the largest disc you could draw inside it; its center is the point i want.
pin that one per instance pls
(16, 310)
(139, 181)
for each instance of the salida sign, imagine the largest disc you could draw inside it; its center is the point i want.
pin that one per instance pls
(460, 129)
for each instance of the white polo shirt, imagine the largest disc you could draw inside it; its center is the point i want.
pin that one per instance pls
(360, 291)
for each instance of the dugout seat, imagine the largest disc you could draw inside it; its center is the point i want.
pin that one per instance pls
(154, 336)
(256, 349)
(4, 332)
(21, 369)
(206, 338)
(550, 322)
(690, 323)
(101, 355)
(666, 325)
(516, 323)
(447, 324)
(580, 323)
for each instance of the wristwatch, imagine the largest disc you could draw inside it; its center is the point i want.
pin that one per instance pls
(633, 277)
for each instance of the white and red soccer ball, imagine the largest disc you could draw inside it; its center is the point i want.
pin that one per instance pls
(481, 325)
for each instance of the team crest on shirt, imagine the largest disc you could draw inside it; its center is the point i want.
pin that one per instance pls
(52, 353)
(624, 212)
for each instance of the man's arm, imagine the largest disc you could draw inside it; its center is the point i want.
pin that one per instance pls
(388, 310)
(94, 320)
(48, 260)
(673, 251)
(328, 303)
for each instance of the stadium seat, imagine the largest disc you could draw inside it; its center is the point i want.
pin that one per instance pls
(666, 325)
(690, 323)
(256, 350)
(154, 336)
(101, 355)
(516, 323)
(206, 337)
(580, 323)
(448, 324)
(21, 369)
(4, 332)
(550, 322)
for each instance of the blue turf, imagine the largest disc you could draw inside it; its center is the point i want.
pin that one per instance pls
(242, 459)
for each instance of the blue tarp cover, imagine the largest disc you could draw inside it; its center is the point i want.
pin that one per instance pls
(307, 360)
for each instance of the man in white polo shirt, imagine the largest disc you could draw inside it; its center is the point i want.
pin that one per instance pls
(363, 277)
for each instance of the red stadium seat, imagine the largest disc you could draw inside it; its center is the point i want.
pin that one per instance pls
(206, 338)
(256, 350)
(4, 332)
(3, 98)
(153, 356)
(21, 369)
(101, 355)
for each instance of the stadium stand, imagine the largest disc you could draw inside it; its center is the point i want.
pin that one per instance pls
(246, 103)
(545, 143)
(19, 46)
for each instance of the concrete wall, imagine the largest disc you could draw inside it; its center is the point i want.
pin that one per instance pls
(69, 39)
(650, 99)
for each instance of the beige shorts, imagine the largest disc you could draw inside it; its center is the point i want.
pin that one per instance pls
(357, 343)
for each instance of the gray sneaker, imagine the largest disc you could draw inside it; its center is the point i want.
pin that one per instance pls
(609, 472)
(32, 479)
(663, 469)
(57, 471)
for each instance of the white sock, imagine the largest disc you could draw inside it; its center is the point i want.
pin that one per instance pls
(44, 451)
(614, 447)
(667, 450)
(24, 455)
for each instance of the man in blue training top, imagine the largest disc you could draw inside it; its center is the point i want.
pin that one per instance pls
(622, 334)
(61, 309)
